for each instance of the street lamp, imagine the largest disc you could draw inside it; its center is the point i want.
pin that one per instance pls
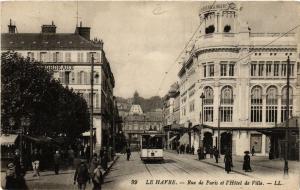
(202, 98)
(286, 167)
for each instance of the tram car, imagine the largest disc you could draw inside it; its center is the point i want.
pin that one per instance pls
(151, 146)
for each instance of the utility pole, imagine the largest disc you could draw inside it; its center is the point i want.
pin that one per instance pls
(202, 97)
(286, 147)
(219, 123)
(92, 106)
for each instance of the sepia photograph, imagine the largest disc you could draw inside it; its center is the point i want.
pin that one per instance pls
(150, 95)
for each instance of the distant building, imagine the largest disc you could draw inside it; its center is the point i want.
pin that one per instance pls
(68, 55)
(137, 122)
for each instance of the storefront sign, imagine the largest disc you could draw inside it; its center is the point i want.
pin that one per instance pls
(59, 67)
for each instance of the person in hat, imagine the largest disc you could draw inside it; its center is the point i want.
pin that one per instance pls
(228, 161)
(97, 178)
(246, 164)
(82, 175)
(11, 178)
(56, 159)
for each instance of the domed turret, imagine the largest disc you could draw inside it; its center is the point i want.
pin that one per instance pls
(219, 17)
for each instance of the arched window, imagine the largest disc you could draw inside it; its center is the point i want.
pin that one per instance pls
(208, 109)
(226, 108)
(271, 104)
(227, 28)
(81, 77)
(256, 104)
(284, 100)
(227, 95)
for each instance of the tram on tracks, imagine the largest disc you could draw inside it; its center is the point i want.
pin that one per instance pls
(151, 146)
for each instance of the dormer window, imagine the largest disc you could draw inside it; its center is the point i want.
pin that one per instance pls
(227, 28)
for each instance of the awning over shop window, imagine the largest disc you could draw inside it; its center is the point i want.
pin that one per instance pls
(8, 139)
(39, 139)
(171, 139)
(184, 139)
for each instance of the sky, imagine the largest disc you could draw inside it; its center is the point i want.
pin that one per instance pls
(141, 39)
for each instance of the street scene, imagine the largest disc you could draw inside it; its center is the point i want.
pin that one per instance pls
(150, 95)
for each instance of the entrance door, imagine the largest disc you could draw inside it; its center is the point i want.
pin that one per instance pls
(207, 141)
(226, 142)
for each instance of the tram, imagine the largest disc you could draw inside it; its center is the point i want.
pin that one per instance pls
(151, 146)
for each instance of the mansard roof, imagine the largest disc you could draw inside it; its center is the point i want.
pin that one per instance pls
(47, 41)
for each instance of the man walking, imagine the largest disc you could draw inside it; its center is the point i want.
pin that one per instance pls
(216, 153)
(35, 159)
(128, 152)
(81, 175)
(56, 162)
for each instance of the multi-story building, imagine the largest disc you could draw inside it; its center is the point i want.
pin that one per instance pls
(69, 56)
(137, 122)
(242, 75)
(171, 116)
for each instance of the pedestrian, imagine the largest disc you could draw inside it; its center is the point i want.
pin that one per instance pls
(178, 150)
(35, 160)
(93, 164)
(211, 152)
(17, 163)
(199, 152)
(246, 164)
(192, 150)
(71, 156)
(82, 175)
(104, 159)
(228, 162)
(253, 151)
(97, 178)
(216, 153)
(56, 158)
(11, 177)
(128, 152)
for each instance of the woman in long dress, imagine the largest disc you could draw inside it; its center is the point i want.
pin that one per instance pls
(228, 162)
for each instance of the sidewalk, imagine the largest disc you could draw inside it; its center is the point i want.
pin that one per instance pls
(48, 180)
(261, 165)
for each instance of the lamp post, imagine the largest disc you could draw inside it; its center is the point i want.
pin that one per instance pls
(286, 167)
(202, 98)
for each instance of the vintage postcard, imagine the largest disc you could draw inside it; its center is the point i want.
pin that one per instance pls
(123, 95)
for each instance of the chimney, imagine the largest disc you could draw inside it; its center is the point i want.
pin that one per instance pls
(83, 31)
(11, 28)
(49, 29)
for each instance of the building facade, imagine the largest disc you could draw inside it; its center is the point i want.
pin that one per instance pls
(243, 79)
(69, 57)
(137, 122)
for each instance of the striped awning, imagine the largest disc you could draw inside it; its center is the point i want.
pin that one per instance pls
(8, 139)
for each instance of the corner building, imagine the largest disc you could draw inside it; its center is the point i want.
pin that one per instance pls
(68, 55)
(241, 74)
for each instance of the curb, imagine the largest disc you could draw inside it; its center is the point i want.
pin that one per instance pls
(224, 168)
(108, 169)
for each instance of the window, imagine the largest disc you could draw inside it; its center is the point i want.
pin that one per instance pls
(79, 57)
(211, 70)
(72, 80)
(43, 56)
(283, 68)
(68, 56)
(253, 69)
(227, 28)
(284, 102)
(271, 104)
(291, 68)
(231, 69)
(82, 79)
(261, 69)
(204, 71)
(269, 68)
(226, 108)
(67, 77)
(223, 69)
(256, 104)
(208, 104)
(30, 55)
(276, 68)
(192, 106)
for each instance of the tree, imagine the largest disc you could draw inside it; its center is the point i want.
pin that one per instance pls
(29, 91)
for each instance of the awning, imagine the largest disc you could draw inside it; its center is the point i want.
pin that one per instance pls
(87, 134)
(40, 139)
(172, 138)
(8, 139)
(184, 139)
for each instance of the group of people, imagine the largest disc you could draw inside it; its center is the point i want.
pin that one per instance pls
(181, 149)
(84, 174)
